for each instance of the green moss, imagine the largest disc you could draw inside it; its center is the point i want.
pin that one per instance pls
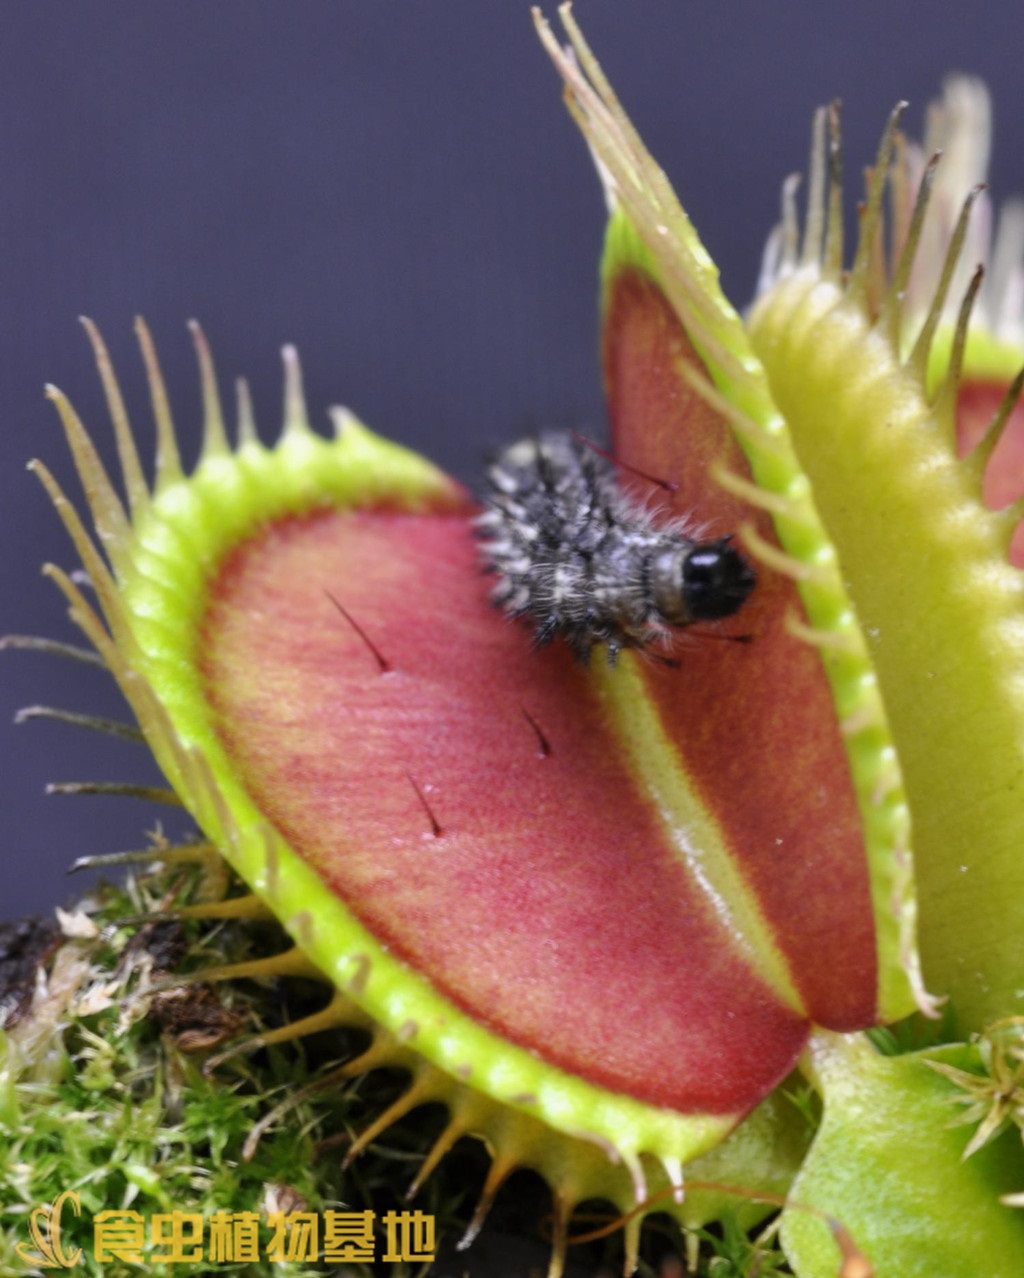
(113, 1108)
(98, 1096)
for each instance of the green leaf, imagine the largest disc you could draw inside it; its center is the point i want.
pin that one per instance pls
(888, 1167)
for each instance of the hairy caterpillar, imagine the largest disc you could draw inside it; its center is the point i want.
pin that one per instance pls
(577, 557)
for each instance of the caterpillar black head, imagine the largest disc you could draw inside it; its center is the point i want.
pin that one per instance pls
(706, 582)
(577, 556)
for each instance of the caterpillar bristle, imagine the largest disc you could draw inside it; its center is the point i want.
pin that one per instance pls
(579, 558)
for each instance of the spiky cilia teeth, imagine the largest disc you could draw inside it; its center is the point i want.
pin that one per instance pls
(873, 394)
(505, 1122)
(97, 723)
(658, 278)
(581, 1164)
(199, 853)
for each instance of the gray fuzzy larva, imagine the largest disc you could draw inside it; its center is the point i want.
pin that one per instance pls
(577, 557)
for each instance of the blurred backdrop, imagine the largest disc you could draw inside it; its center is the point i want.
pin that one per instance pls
(395, 187)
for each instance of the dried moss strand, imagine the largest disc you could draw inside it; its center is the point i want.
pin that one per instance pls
(135, 484)
(319, 1085)
(168, 458)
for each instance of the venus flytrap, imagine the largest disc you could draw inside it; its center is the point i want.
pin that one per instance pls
(604, 956)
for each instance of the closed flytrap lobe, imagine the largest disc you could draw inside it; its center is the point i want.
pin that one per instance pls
(605, 955)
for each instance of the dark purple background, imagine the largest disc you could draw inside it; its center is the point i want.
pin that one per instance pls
(395, 187)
